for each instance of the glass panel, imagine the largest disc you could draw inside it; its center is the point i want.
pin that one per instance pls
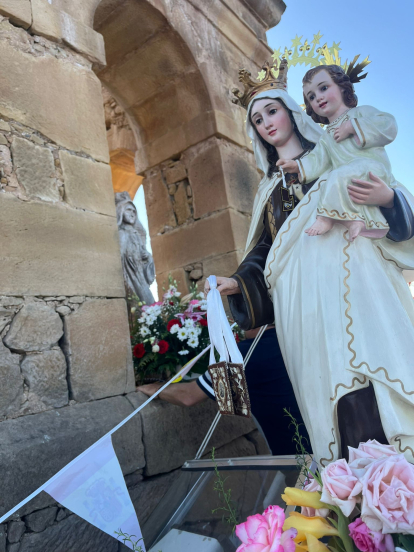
(192, 504)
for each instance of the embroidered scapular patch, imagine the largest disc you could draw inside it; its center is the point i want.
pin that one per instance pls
(239, 391)
(221, 385)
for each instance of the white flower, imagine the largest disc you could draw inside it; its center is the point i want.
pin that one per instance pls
(188, 323)
(193, 342)
(182, 334)
(144, 331)
(155, 348)
(201, 295)
(192, 332)
(198, 330)
(174, 328)
(177, 294)
(150, 320)
(203, 305)
(141, 320)
(183, 352)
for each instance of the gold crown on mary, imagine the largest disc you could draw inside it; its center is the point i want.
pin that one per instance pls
(272, 80)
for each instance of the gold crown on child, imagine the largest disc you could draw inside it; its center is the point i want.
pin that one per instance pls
(271, 80)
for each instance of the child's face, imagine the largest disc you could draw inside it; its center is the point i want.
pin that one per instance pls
(272, 121)
(324, 96)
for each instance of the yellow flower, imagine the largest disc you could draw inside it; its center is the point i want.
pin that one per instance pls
(315, 545)
(316, 526)
(297, 497)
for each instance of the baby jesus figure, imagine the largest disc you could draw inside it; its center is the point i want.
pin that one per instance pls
(352, 148)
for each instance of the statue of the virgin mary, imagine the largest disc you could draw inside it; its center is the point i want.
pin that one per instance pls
(343, 311)
(137, 262)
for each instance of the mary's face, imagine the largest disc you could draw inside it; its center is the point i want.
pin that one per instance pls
(130, 215)
(272, 121)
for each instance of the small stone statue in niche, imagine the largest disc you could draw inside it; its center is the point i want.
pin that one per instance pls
(137, 262)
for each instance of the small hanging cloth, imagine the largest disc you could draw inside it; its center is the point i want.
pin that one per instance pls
(227, 375)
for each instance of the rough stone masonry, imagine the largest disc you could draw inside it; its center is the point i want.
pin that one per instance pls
(65, 358)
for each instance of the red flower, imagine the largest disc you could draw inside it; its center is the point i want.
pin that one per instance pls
(164, 346)
(203, 322)
(172, 322)
(172, 303)
(139, 350)
(237, 338)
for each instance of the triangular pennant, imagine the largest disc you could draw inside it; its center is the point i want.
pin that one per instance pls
(93, 487)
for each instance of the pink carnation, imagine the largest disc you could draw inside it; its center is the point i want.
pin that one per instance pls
(340, 486)
(264, 533)
(369, 541)
(311, 486)
(388, 495)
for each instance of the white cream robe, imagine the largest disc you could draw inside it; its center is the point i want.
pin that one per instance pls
(344, 317)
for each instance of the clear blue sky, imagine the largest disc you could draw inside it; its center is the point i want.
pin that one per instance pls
(382, 30)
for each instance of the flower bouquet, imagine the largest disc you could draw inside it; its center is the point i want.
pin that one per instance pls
(169, 333)
(364, 504)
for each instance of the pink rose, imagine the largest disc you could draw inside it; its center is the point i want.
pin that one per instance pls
(369, 541)
(340, 486)
(311, 486)
(365, 454)
(264, 533)
(388, 495)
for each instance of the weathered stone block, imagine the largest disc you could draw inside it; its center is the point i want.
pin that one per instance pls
(205, 174)
(45, 374)
(160, 421)
(51, 249)
(5, 318)
(83, 39)
(19, 12)
(11, 381)
(88, 185)
(147, 494)
(221, 175)
(35, 169)
(159, 205)
(98, 349)
(58, 25)
(15, 531)
(222, 265)
(68, 110)
(181, 207)
(214, 235)
(38, 521)
(175, 173)
(235, 449)
(36, 327)
(70, 535)
(46, 20)
(240, 176)
(5, 161)
(36, 447)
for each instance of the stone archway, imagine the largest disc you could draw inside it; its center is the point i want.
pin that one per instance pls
(171, 68)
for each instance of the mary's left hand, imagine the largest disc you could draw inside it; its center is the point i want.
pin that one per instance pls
(372, 192)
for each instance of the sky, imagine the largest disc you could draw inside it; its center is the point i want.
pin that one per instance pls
(382, 30)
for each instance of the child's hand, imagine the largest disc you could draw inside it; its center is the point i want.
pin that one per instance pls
(344, 131)
(288, 165)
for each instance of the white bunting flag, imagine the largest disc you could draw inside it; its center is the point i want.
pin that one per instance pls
(94, 488)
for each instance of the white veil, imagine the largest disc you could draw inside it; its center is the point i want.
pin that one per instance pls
(307, 128)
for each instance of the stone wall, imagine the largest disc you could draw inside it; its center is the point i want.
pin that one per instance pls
(65, 355)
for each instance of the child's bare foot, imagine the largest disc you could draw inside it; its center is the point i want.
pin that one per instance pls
(320, 226)
(354, 229)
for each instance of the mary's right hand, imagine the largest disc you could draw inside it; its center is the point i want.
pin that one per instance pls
(226, 286)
